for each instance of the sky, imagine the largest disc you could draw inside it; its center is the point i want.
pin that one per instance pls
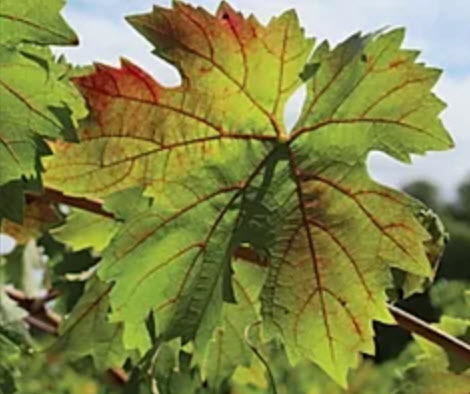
(439, 28)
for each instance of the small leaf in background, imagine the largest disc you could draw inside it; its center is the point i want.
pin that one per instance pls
(86, 230)
(38, 100)
(453, 297)
(89, 320)
(429, 377)
(228, 349)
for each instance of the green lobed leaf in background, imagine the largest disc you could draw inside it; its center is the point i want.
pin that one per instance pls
(38, 99)
(87, 331)
(34, 21)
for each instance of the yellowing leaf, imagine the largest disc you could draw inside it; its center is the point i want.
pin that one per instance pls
(223, 172)
(237, 77)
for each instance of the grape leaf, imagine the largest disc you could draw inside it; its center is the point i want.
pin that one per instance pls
(228, 348)
(173, 372)
(452, 297)
(12, 192)
(14, 201)
(88, 320)
(409, 283)
(456, 327)
(244, 71)
(100, 229)
(13, 337)
(37, 100)
(428, 376)
(437, 370)
(86, 230)
(34, 21)
(37, 97)
(224, 172)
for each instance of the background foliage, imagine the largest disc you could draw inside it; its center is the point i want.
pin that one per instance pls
(68, 320)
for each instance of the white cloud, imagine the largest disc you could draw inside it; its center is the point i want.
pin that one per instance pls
(107, 39)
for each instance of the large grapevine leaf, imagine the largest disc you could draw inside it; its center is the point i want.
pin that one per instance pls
(223, 171)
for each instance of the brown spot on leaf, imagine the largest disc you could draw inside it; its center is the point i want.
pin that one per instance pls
(396, 63)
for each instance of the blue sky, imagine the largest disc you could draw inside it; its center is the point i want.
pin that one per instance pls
(439, 28)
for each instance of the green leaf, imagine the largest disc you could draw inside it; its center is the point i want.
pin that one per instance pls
(173, 372)
(12, 192)
(245, 74)
(430, 377)
(434, 248)
(34, 21)
(452, 297)
(87, 331)
(223, 172)
(13, 338)
(228, 348)
(458, 328)
(68, 274)
(7, 381)
(40, 374)
(369, 94)
(86, 230)
(37, 100)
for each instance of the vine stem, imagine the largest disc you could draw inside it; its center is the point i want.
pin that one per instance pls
(404, 319)
(419, 327)
(43, 320)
